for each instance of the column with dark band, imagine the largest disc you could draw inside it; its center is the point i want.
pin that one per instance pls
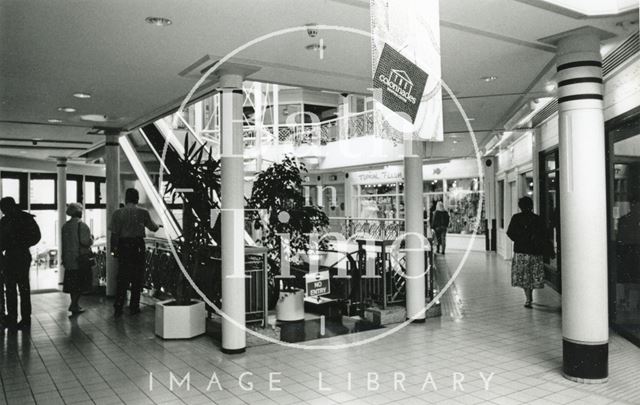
(583, 208)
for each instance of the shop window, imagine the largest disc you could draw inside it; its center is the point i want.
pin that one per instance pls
(526, 184)
(500, 204)
(42, 191)
(549, 210)
(623, 168)
(14, 185)
(462, 199)
(95, 192)
(74, 188)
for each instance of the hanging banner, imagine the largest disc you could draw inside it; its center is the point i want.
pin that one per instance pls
(405, 56)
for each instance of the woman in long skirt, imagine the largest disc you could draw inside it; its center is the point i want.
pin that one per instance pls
(527, 231)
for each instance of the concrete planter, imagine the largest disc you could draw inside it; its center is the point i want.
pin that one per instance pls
(290, 306)
(180, 321)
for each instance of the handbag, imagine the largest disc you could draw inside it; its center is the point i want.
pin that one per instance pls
(85, 260)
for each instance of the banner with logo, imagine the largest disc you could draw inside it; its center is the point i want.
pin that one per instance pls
(405, 52)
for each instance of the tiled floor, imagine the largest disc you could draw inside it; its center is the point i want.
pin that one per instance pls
(484, 329)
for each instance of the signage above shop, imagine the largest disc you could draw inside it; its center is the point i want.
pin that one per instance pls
(389, 175)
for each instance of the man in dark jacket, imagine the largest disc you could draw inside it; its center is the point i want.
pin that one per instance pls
(18, 232)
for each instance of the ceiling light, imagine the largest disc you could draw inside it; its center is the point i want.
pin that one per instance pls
(488, 78)
(54, 121)
(67, 109)
(470, 119)
(94, 117)
(315, 47)
(158, 21)
(81, 95)
(550, 87)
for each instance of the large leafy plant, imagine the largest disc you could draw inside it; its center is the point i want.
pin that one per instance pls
(278, 192)
(198, 172)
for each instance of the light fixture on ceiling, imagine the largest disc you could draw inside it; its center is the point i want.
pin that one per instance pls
(550, 86)
(67, 109)
(470, 119)
(54, 121)
(315, 47)
(94, 117)
(158, 21)
(489, 78)
(81, 95)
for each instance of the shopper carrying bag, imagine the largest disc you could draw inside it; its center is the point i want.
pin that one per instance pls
(77, 256)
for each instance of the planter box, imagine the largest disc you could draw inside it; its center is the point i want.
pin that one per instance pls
(180, 321)
(290, 306)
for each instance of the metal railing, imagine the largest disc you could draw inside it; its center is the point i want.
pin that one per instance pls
(162, 272)
(388, 284)
(368, 228)
(298, 134)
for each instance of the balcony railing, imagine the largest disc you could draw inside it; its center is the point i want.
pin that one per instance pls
(298, 134)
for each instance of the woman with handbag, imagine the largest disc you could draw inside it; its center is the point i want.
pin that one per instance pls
(76, 256)
(528, 233)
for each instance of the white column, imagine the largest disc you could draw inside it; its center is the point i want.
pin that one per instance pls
(61, 200)
(275, 109)
(413, 228)
(232, 196)
(343, 113)
(112, 164)
(583, 208)
(258, 119)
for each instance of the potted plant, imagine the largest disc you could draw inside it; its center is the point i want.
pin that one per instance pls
(182, 316)
(278, 192)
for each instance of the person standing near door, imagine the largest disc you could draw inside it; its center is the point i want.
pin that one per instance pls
(127, 244)
(18, 232)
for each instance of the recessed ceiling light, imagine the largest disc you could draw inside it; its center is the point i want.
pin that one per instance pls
(158, 21)
(94, 117)
(470, 119)
(488, 78)
(315, 47)
(67, 109)
(454, 141)
(54, 121)
(550, 87)
(81, 95)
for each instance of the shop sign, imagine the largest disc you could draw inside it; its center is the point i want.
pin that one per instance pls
(317, 284)
(401, 81)
(378, 176)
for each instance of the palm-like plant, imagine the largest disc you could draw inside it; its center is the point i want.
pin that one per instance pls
(198, 172)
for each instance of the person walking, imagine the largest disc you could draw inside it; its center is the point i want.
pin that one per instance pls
(527, 231)
(440, 226)
(18, 232)
(76, 252)
(127, 244)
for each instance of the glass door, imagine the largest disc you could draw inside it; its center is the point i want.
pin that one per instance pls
(624, 227)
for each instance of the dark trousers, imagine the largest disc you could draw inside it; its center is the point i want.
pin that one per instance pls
(130, 271)
(441, 239)
(16, 278)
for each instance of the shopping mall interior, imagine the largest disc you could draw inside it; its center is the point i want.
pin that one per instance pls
(296, 154)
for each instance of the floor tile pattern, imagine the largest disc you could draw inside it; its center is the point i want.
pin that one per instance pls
(95, 359)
